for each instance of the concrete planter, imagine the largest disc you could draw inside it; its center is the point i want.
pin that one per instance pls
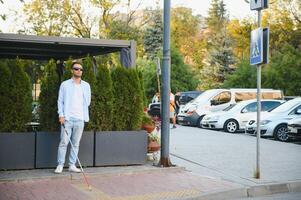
(17, 150)
(120, 148)
(47, 144)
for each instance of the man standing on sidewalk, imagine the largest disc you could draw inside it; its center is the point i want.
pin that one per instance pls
(73, 102)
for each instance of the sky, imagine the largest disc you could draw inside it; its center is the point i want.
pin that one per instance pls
(237, 9)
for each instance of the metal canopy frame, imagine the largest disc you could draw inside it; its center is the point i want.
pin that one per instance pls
(59, 48)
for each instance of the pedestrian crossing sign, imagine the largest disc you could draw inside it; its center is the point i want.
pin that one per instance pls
(259, 46)
(256, 53)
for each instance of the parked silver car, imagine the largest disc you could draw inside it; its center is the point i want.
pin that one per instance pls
(236, 116)
(274, 123)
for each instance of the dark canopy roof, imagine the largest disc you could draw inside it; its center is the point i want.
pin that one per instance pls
(59, 48)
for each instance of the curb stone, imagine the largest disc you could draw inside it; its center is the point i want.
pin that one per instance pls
(254, 191)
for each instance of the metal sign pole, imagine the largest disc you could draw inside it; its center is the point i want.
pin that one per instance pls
(257, 175)
(165, 101)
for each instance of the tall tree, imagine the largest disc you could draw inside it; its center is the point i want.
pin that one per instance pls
(47, 17)
(283, 71)
(220, 57)
(48, 98)
(80, 21)
(184, 28)
(153, 34)
(217, 15)
(106, 7)
(243, 77)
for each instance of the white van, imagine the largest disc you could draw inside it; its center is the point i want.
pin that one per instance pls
(217, 100)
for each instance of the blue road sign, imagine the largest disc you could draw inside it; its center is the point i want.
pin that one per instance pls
(256, 47)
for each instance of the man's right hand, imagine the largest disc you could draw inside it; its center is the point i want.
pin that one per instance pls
(62, 120)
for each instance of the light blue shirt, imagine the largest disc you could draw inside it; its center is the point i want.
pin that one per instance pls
(64, 101)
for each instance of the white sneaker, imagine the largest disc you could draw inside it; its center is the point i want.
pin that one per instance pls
(73, 168)
(58, 169)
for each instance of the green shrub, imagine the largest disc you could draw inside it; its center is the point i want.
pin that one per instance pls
(89, 76)
(102, 108)
(128, 99)
(16, 96)
(48, 98)
(6, 117)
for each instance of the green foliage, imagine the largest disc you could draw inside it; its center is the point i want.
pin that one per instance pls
(182, 79)
(141, 83)
(48, 98)
(217, 15)
(128, 99)
(5, 93)
(284, 71)
(47, 17)
(243, 77)
(89, 76)
(67, 70)
(184, 27)
(153, 35)
(148, 70)
(102, 102)
(15, 100)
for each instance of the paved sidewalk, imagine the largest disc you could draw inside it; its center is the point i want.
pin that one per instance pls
(145, 182)
(110, 183)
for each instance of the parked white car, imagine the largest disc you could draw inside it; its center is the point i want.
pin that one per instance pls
(274, 122)
(215, 100)
(294, 126)
(236, 116)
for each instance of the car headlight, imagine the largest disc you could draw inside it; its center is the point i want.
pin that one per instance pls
(265, 122)
(206, 118)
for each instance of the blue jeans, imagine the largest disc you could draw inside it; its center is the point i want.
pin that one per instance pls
(74, 128)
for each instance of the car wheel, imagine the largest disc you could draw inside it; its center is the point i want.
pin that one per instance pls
(280, 133)
(199, 124)
(231, 126)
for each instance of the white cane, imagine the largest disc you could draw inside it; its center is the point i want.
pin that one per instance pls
(80, 165)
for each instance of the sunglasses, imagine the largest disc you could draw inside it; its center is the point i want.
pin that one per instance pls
(76, 69)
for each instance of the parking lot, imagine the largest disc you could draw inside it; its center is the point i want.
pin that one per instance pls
(233, 156)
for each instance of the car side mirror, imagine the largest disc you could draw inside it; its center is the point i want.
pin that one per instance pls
(213, 102)
(298, 112)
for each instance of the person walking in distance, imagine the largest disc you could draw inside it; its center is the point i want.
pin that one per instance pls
(73, 102)
(172, 109)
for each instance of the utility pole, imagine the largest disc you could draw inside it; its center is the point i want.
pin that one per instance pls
(165, 101)
(259, 55)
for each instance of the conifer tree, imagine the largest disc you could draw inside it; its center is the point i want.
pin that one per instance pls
(48, 98)
(21, 95)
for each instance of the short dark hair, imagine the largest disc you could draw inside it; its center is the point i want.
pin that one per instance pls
(75, 63)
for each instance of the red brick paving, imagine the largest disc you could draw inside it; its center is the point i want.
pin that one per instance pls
(144, 185)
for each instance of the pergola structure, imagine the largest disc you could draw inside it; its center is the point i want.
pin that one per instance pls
(61, 48)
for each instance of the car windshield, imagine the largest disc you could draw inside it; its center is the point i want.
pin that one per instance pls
(205, 95)
(285, 106)
(229, 107)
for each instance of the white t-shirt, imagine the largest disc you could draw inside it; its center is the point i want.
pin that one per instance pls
(77, 109)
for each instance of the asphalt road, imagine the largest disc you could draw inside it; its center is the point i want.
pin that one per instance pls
(232, 157)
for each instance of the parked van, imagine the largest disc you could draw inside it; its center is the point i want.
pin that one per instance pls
(217, 100)
(183, 98)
